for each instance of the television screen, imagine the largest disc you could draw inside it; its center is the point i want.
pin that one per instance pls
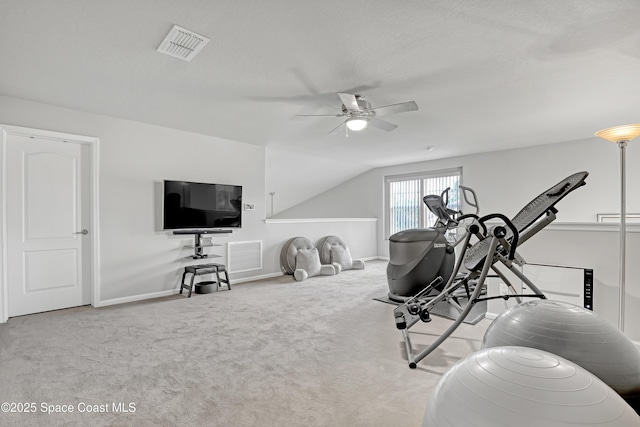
(201, 205)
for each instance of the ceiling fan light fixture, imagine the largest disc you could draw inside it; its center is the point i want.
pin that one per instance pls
(357, 124)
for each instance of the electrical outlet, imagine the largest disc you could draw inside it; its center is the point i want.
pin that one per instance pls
(249, 207)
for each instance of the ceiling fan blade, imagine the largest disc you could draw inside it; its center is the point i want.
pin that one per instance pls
(338, 128)
(349, 101)
(396, 108)
(381, 124)
(319, 115)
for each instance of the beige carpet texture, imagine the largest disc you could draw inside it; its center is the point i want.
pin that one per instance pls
(267, 353)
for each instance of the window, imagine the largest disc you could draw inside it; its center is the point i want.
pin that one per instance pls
(404, 194)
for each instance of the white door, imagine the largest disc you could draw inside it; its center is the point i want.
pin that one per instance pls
(44, 225)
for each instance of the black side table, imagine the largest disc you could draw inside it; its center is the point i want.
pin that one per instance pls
(200, 269)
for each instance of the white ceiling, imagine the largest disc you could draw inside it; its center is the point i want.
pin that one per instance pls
(486, 75)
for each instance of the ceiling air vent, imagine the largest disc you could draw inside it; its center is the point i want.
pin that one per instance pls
(183, 44)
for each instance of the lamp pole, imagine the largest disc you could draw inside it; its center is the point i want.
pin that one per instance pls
(623, 232)
(621, 135)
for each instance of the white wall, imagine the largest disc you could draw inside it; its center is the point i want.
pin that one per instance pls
(136, 259)
(295, 177)
(359, 197)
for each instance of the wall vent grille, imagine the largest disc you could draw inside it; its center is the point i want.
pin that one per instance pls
(183, 44)
(244, 256)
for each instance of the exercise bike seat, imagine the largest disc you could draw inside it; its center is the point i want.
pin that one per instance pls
(534, 210)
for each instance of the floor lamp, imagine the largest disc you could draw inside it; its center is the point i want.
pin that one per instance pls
(621, 135)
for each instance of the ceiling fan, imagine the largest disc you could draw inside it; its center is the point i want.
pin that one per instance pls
(360, 115)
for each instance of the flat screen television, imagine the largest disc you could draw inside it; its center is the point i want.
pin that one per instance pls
(198, 205)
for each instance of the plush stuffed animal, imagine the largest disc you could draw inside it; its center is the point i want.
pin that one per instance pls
(308, 265)
(301, 259)
(335, 252)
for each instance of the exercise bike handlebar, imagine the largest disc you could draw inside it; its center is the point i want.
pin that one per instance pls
(445, 196)
(474, 204)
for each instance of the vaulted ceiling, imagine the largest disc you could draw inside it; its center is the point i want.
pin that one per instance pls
(486, 75)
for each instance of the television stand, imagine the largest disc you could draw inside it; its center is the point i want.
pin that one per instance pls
(198, 247)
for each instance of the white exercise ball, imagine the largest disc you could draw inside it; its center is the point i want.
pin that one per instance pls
(575, 333)
(524, 387)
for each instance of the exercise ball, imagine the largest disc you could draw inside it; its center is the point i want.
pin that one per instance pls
(575, 333)
(520, 386)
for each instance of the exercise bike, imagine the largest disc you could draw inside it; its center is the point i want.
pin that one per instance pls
(418, 256)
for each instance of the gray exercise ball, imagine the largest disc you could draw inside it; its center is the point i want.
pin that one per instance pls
(575, 333)
(524, 387)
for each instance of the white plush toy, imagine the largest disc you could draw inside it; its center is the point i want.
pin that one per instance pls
(308, 265)
(301, 259)
(335, 252)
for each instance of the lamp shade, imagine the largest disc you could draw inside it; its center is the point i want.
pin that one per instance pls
(356, 124)
(620, 133)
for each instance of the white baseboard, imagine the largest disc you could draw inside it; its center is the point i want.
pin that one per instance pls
(170, 292)
(373, 258)
(254, 278)
(134, 298)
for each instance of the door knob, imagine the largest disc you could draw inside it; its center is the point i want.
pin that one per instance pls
(85, 231)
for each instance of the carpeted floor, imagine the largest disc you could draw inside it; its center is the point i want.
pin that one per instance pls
(271, 353)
